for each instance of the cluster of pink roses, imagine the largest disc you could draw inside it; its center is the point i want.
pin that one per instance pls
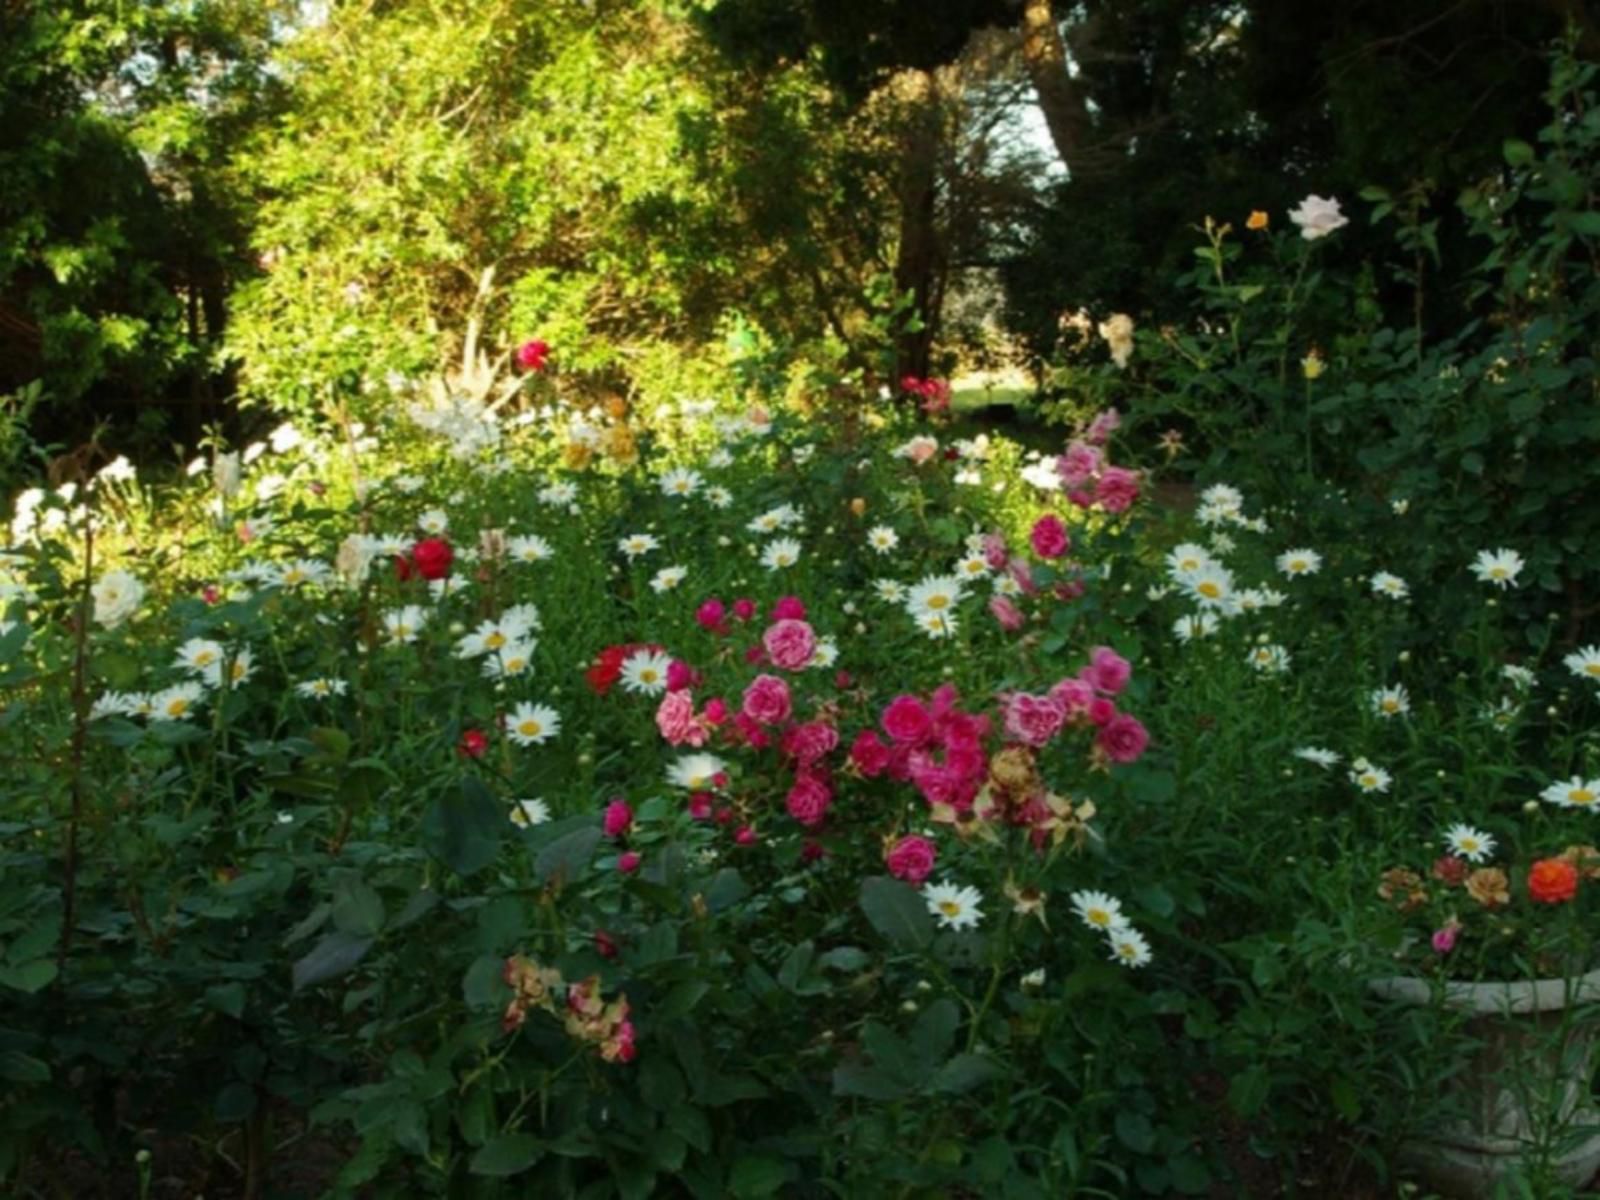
(933, 744)
(765, 716)
(1082, 700)
(1087, 474)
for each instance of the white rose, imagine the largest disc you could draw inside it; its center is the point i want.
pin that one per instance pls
(116, 598)
(1317, 217)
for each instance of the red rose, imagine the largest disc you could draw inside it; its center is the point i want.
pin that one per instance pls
(869, 754)
(432, 557)
(474, 743)
(1552, 881)
(533, 355)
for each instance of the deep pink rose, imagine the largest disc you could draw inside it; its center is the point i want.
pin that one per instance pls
(1049, 537)
(618, 818)
(710, 614)
(533, 355)
(808, 800)
(716, 712)
(869, 754)
(680, 675)
(750, 732)
(700, 806)
(745, 835)
(1033, 720)
(911, 858)
(1444, 939)
(1006, 613)
(906, 720)
(995, 552)
(1117, 489)
(810, 742)
(766, 700)
(790, 643)
(1101, 711)
(744, 609)
(628, 861)
(1123, 739)
(1108, 671)
(789, 608)
(1022, 573)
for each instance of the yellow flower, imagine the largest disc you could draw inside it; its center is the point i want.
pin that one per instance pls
(1313, 365)
(1258, 220)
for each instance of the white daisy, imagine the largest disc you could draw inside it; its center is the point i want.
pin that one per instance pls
(1270, 659)
(532, 724)
(1368, 777)
(645, 671)
(511, 660)
(403, 624)
(1185, 559)
(321, 687)
(1519, 677)
(775, 519)
(433, 522)
(1584, 663)
(1325, 759)
(201, 657)
(302, 571)
(935, 594)
(1212, 588)
(718, 497)
(176, 703)
(1295, 563)
(890, 590)
(955, 907)
(530, 812)
(1466, 842)
(668, 578)
(528, 548)
(1128, 947)
(559, 495)
(882, 539)
(696, 772)
(1576, 792)
(680, 482)
(636, 544)
(1099, 911)
(1195, 625)
(1499, 567)
(973, 566)
(1390, 702)
(780, 553)
(1392, 586)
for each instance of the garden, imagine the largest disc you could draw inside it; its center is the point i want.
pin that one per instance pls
(564, 630)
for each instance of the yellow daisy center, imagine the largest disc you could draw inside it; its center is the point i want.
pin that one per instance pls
(938, 602)
(495, 640)
(176, 708)
(950, 908)
(1581, 796)
(530, 728)
(648, 675)
(1209, 590)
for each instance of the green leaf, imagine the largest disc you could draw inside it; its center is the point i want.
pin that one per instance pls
(935, 1029)
(357, 908)
(235, 1102)
(795, 965)
(1517, 152)
(757, 1175)
(17, 1067)
(334, 955)
(227, 998)
(567, 857)
(965, 1072)
(844, 958)
(1135, 1132)
(484, 985)
(727, 889)
(897, 912)
(1249, 1089)
(508, 1154)
(868, 1082)
(464, 832)
(28, 977)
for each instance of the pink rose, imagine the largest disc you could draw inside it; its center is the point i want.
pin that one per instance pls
(995, 552)
(700, 806)
(869, 754)
(1022, 574)
(1123, 739)
(680, 675)
(710, 614)
(810, 742)
(911, 858)
(790, 643)
(675, 720)
(1074, 695)
(745, 835)
(1101, 711)
(750, 732)
(789, 608)
(1033, 720)
(744, 609)
(766, 700)
(1444, 940)
(1078, 466)
(628, 861)
(1108, 671)
(532, 355)
(1006, 613)
(906, 720)
(808, 800)
(1117, 489)
(618, 818)
(1049, 537)
(1105, 423)
(716, 712)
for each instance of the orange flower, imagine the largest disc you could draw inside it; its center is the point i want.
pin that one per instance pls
(1552, 881)
(1489, 887)
(1258, 220)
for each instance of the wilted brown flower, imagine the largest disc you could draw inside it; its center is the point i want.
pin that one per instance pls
(1585, 858)
(1402, 888)
(1450, 870)
(1489, 887)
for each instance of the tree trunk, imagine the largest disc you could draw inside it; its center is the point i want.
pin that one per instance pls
(1061, 98)
(917, 256)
